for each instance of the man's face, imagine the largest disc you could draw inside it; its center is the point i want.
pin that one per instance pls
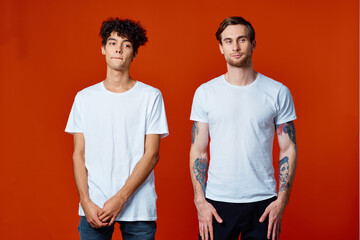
(118, 52)
(236, 45)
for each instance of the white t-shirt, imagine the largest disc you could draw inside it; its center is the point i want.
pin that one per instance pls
(114, 126)
(241, 126)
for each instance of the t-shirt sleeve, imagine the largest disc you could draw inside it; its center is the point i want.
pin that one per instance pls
(286, 109)
(198, 109)
(156, 122)
(74, 124)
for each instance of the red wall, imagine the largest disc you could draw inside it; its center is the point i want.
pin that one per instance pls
(49, 50)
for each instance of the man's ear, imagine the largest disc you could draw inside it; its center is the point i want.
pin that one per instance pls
(135, 55)
(221, 48)
(253, 45)
(103, 50)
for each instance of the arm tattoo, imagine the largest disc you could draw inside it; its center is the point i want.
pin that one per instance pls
(284, 174)
(287, 128)
(194, 132)
(200, 169)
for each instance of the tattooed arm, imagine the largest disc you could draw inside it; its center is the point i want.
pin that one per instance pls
(287, 165)
(198, 171)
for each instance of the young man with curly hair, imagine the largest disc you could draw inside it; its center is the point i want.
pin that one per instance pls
(240, 111)
(117, 126)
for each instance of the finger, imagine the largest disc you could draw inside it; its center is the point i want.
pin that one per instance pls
(105, 219)
(263, 217)
(99, 223)
(270, 227)
(216, 215)
(211, 232)
(280, 227)
(93, 224)
(206, 232)
(112, 221)
(104, 216)
(201, 229)
(274, 232)
(101, 213)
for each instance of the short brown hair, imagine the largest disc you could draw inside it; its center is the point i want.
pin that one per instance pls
(234, 21)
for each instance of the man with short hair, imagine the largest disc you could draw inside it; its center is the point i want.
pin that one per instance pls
(117, 126)
(239, 111)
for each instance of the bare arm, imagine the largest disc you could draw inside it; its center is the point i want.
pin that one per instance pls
(198, 171)
(287, 167)
(80, 173)
(147, 163)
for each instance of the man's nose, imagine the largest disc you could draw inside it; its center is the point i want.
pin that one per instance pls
(119, 49)
(236, 46)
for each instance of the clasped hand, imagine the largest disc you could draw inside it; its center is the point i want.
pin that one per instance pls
(102, 217)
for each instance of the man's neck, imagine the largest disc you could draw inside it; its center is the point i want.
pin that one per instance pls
(118, 81)
(240, 76)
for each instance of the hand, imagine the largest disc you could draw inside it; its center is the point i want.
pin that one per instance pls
(206, 212)
(275, 211)
(111, 210)
(91, 211)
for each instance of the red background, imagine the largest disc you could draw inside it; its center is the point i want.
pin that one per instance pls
(49, 50)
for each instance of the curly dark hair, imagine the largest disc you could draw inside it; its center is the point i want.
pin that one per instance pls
(130, 29)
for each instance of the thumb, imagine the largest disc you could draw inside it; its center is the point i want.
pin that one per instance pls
(263, 217)
(100, 212)
(216, 216)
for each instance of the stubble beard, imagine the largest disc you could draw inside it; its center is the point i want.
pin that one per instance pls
(245, 62)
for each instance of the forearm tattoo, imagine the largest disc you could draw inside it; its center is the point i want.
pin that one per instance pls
(289, 129)
(284, 178)
(194, 132)
(200, 169)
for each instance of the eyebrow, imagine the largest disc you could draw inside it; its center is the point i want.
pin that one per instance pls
(241, 36)
(114, 39)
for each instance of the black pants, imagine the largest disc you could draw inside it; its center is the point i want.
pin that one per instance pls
(240, 218)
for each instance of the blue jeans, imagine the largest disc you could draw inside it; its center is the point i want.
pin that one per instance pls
(138, 230)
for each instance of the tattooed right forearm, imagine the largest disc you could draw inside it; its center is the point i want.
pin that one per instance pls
(200, 169)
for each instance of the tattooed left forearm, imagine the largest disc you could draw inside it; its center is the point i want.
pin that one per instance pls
(194, 132)
(284, 177)
(200, 169)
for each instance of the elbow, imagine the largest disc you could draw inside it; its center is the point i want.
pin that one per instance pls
(78, 157)
(154, 158)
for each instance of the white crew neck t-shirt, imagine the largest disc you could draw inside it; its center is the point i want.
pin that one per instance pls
(114, 126)
(242, 123)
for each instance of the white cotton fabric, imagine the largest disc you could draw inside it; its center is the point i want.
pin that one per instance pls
(114, 126)
(241, 126)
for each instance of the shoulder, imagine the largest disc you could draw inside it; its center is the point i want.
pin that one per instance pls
(147, 91)
(212, 84)
(281, 94)
(93, 89)
(146, 88)
(269, 82)
(272, 86)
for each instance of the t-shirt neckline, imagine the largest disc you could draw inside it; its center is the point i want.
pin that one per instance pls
(118, 94)
(242, 87)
